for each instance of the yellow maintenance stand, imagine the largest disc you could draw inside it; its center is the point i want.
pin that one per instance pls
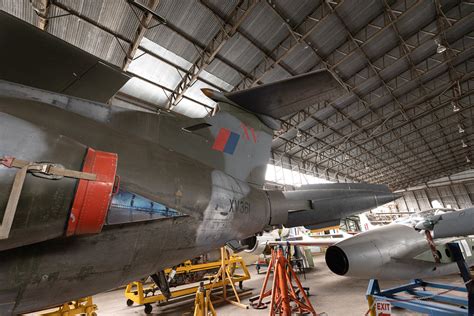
(83, 306)
(228, 274)
(202, 303)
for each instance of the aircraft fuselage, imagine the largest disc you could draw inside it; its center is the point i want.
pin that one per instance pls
(216, 207)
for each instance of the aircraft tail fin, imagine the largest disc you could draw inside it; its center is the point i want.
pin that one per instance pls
(285, 97)
(244, 121)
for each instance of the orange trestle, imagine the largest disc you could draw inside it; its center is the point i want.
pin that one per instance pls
(284, 300)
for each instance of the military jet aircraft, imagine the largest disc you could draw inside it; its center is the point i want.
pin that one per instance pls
(401, 250)
(94, 196)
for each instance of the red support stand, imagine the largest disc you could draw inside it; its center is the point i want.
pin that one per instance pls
(284, 299)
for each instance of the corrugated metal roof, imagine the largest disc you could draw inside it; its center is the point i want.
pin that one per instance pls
(276, 73)
(106, 12)
(21, 9)
(262, 26)
(225, 72)
(173, 42)
(223, 7)
(302, 59)
(190, 17)
(240, 51)
(86, 36)
(395, 124)
(296, 11)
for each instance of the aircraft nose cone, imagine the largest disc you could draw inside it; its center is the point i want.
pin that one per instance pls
(383, 198)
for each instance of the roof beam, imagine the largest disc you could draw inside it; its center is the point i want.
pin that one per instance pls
(444, 156)
(87, 19)
(345, 84)
(410, 13)
(375, 70)
(295, 34)
(145, 23)
(129, 41)
(443, 24)
(454, 147)
(342, 100)
(328, 144)
(426, 74)
(351, 37)
(422, 115)
(292, 143)
(358, 131)
(316, 172)
(394, 178)
(392, 115)
(434, 171)
(284, 48)
(177, 67)
(208, 108)
(242, 33)
(42, 8)
(386, 86)
(413, 68)
(236, 17)
(413, 106)
(441, 105)
(402, 183)
(430, 125)
(441, 90)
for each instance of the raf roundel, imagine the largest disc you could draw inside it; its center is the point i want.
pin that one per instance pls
(226, 141)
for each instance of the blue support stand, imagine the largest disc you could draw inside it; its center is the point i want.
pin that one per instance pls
(465, 273)
(425, 301)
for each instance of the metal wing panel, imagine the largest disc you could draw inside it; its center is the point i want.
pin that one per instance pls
(38, 59)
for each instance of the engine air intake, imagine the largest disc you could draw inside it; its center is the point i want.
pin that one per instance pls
(336, 260)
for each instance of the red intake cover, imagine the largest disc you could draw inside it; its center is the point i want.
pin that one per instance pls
(92, 199)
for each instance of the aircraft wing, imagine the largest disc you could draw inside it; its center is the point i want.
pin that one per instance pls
(465, 244)
(41, 60)
(459, 223)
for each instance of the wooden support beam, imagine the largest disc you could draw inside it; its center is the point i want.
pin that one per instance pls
(41, 8)
(145, 23)
(236, 17)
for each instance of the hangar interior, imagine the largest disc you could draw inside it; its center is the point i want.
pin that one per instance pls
(407, 115)
(405, 119)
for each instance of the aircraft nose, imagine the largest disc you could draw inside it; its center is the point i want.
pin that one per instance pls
(383, 198)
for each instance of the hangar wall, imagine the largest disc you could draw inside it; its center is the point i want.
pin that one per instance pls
(453, 192)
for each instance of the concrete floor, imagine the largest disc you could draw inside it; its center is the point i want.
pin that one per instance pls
(329, 293)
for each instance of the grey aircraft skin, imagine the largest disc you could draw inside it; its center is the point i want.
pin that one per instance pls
(207, 172)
